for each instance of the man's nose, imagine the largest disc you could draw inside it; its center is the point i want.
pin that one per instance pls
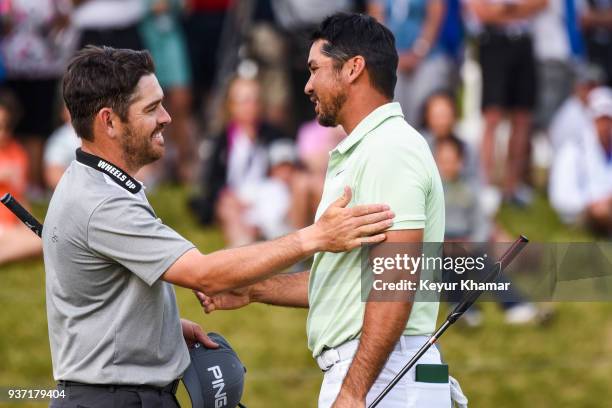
(165, 118)
(308, 90)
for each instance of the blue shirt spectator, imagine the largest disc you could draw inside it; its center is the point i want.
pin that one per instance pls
(405, 18)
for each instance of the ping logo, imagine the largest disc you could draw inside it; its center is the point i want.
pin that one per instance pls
(218, 384)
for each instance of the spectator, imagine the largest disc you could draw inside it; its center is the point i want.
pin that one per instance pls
(440, 120)
(204, 19)
(267, 51)
(596, 22)
(239, 156)
(297, 19)
(16, 240)
(34, 50)
(509, 83)
(452, 32)
(110, 23)
(314, 142)
(278, 204)
(423, 67)
(558, 45)
(581, 178)
(163, 37)
(467, 222)
(573, 116)
(60, 150)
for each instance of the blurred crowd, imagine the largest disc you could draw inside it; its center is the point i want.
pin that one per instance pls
(243, 133)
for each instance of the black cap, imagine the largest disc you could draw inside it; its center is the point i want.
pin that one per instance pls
(215, 377)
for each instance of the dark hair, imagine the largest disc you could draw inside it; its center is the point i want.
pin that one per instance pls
(99, 77)
(9, 102)
(349, 35)
(454, 142)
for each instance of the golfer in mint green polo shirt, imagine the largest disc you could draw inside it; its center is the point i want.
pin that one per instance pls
(360, 344)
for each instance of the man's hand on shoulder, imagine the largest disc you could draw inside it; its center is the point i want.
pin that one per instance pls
(341, 229)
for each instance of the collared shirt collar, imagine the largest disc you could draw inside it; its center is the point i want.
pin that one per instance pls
(118, 175)
(369, 123)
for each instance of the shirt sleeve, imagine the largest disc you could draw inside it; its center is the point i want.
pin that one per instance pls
(399, 178)
(124, 229)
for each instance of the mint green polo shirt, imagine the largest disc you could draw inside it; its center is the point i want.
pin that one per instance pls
(383, 160)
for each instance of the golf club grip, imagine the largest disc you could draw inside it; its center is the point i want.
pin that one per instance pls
(28, 219)
(513, 251)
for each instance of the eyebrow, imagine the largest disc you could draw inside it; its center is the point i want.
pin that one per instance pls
(154, 103)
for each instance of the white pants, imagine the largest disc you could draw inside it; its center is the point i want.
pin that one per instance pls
(406, 394)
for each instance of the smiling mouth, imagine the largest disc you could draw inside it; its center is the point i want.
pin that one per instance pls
(158, 137)
(316, 104)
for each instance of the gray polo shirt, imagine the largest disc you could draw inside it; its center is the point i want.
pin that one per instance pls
(111, 319)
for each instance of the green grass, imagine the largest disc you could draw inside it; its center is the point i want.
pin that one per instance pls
(567, 363)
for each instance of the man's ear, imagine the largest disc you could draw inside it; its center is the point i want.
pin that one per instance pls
(354, 68)
(107, 120)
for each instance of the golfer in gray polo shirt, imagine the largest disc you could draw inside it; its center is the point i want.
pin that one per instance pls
(114, 328)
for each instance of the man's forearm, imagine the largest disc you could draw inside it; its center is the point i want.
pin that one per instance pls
(290, 289)
(338, 229)
(431, 28)
(527, 9)
(236, 267)
(384, 323)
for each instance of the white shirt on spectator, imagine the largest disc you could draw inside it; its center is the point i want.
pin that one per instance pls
(551, 41)
(294, 14)
(108, 14)
(247, 162)
(581, 174)
(269, 201)
(569, 122)
(60, 149)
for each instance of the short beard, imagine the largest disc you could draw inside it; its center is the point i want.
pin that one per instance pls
(329, 117)
(138, 151)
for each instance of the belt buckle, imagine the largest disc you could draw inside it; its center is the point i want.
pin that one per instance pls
(330, 358)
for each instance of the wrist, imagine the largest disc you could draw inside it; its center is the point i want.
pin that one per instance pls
(256, 292)
(348, 394)
(311, 240)
(353, 389)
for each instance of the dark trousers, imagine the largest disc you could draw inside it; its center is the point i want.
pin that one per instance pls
(125, 37)
(113, 396)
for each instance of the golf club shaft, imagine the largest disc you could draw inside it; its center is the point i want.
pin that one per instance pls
(503, 262)
(457, 312)
(28, 219)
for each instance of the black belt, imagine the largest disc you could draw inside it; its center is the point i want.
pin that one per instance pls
(170, 388)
